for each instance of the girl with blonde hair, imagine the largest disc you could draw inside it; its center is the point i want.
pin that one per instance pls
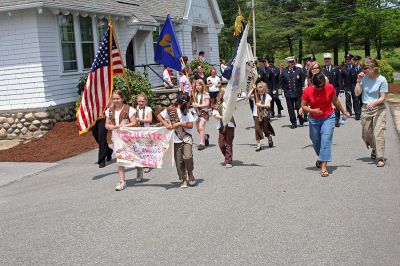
(201, 104)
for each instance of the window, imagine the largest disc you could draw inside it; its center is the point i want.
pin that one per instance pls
(66, 25)
(156, 35)
(102, 28)
(87, 41)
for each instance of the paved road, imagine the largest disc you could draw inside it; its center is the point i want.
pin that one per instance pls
(271, 208)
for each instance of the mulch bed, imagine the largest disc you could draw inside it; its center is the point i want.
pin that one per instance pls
(61, 142)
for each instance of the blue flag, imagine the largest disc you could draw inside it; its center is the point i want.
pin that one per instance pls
(168, 51)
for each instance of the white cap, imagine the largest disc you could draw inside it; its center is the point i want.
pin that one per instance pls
(327, 55)
(290, 58)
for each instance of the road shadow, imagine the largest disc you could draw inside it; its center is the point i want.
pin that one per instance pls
(97, 177)
(248, 128)
(236, 163)
(366, 160)
(331, 168)
(167, 186)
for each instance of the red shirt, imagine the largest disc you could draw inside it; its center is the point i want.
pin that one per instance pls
(321, 99)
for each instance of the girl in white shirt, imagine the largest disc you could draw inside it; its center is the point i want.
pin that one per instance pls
(144, 116)
(214, 85)
(262, 124)
(201, 103)
(121, 114)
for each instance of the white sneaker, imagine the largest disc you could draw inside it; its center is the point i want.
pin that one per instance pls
(120, 186)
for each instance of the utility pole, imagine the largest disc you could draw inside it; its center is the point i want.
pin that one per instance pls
(254, 27)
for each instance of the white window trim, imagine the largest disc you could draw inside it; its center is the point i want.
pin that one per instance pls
(61, 59)
(78, 46)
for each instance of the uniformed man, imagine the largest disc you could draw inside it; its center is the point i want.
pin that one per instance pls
(358, 99)
(272, 82)
(307, 62)
(349, 77)
(335, 78)
(292, 82)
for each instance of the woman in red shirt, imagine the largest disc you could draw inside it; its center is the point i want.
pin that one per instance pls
(317, 100)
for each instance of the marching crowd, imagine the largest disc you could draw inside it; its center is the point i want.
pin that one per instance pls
(311, 92)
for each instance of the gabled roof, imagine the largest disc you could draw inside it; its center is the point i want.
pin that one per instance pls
(125, 8)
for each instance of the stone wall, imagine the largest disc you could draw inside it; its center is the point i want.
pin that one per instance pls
(164, 98)
(34, 123)
(26, 124)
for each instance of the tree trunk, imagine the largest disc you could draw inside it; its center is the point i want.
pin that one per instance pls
(367, 47)
(378, 46)
(290, 45)
(336, 54)
(300, 59)
(346, 45)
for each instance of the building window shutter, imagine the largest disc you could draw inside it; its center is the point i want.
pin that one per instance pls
(66, 26)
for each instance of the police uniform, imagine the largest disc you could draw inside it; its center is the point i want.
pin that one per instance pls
(292, 81)
(349, 77)
(272, 75)
(334, 76)
(358, 99)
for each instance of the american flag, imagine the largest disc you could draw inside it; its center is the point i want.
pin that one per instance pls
(98, 87)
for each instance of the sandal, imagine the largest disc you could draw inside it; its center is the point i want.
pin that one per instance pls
(318, 163)
(381, 163)
(324, 173)
(146, 170)
(373, 155)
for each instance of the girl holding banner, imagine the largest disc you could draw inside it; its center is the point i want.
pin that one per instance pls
(121, 114)
(178, 118)
(144, 116)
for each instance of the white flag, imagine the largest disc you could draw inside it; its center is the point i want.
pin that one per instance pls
(238, 79)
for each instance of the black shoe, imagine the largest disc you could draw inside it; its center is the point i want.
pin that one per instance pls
(279, 114)
(337, 124)
(301, 122)
(109, 156)
(102, 164)
(270, 142)
(358, 118)
(293, 126)
(200, 147)
(207, 142)
(305, 119)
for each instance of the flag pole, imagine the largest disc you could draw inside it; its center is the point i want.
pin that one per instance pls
(111, 61)
(123, 68)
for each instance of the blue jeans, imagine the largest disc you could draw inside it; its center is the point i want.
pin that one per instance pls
(321, 134)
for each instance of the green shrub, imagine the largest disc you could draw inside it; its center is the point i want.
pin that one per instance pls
(386, 71)
(137, 81)
(395, 63)
(196, 62)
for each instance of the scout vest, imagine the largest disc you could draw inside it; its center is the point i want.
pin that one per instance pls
(179, 131)
(123, 116)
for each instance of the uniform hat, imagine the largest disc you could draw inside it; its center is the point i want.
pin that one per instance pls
(270, 59)
(308, 58)
(290, 58)
(261, 59)
(327, 56)
(348, 57)
(357, 57)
